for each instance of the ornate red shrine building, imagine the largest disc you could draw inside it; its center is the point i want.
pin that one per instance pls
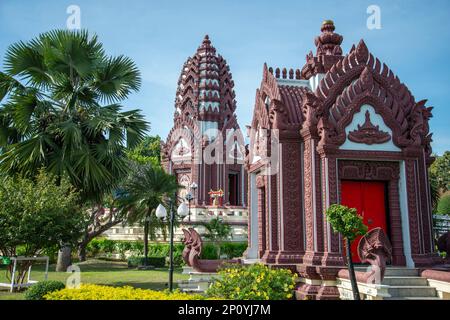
(347, 131)
(205, 145)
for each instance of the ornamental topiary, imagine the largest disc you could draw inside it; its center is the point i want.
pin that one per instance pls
(40, 289)
(443, 206)
(253, 282)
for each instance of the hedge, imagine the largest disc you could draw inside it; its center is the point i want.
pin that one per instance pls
(157, 262)
(103, 246)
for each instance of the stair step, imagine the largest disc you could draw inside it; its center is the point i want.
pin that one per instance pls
(413, 298)
(192, 290)
(393, 271)
(412, 291)
(405, 281)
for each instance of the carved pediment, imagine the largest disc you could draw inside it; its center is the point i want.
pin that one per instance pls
(368, 133)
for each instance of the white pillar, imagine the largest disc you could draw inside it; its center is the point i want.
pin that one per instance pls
(252, 251)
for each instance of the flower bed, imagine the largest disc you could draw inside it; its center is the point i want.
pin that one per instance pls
(97, 292)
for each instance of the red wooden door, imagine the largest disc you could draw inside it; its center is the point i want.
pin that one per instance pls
(369, 200)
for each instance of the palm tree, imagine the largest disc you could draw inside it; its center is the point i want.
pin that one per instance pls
(54, 116)
(62, 112)
(216, 230)
(142, 192)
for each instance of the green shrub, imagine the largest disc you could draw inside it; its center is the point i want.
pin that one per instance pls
(158, 262)
(230, 249)
(444, 204)
(209, 252)
(253, 282)
(137, 248)
(40, 289)
(233, 249)
(122, 247)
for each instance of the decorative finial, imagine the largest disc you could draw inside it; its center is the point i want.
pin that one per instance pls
(206, 40)
(206, 45)
(327, 25)
(328, 42)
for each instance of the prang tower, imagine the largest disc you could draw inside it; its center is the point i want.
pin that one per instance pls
(205, 130)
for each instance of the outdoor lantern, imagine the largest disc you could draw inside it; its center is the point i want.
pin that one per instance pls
(161, 211)
(194, 186)
(183, 210)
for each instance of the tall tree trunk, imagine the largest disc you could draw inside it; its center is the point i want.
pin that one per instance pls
(82, 251)
(64, 258)
(146, 227)
(351, 271)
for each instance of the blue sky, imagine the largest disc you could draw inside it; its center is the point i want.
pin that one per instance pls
(414, 41)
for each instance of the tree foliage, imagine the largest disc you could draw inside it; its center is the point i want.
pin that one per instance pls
(350, 225)
(37, 215)
(440, 171)
(62, 111)
(346, 221)
(148, 151)
(443, 206)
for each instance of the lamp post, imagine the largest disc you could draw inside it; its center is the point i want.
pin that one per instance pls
(161, 212)
(190, 197)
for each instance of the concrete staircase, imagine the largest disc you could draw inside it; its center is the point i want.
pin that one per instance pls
(406, 284)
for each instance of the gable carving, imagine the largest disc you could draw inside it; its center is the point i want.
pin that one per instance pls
(368, 133)
(359, 79)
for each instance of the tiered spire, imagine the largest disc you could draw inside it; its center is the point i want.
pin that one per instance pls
(205, 88)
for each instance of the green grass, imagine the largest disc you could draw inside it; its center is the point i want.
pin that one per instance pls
(113, 273)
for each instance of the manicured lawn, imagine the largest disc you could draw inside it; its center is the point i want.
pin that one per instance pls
(102, 272)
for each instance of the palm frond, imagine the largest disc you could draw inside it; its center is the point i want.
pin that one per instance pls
(117, 78)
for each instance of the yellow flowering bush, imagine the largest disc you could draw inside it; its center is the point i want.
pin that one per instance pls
(97, 292)
(253, 282)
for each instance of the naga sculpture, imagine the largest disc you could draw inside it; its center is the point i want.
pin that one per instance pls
(193, 249)
(373, 248)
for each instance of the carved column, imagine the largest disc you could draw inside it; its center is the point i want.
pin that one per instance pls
(312, 199)
(418, 225)
(292, 248)
(396, 237)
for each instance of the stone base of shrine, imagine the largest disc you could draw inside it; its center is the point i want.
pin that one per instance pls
(317, 282)
(316, 289)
